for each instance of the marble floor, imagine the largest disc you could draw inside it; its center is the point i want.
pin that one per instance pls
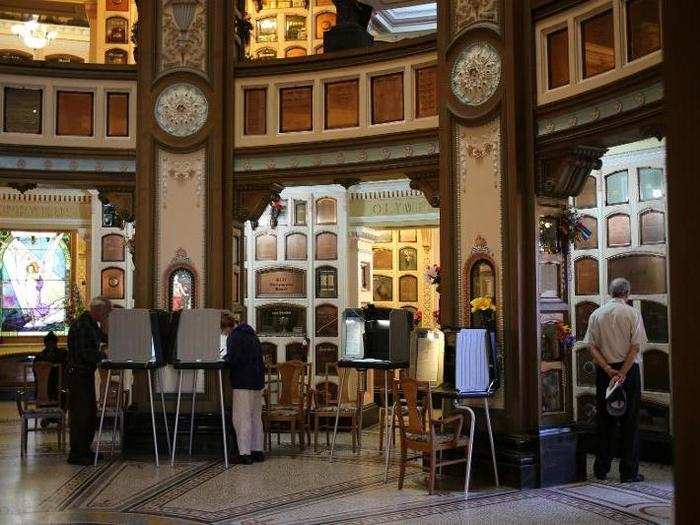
(289, 488)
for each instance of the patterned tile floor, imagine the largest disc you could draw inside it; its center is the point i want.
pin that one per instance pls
(290, 488)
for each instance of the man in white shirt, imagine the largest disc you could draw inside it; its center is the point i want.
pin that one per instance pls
(615, 333)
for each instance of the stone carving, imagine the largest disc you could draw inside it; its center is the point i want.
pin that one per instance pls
(182, 169)
(181, 110)
(469, 12)
(183, 38)
(476, 73)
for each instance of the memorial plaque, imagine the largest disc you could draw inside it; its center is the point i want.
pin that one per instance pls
(113, 248)
(558, 58)
(269, 351)
(117, 5)
(296, 352)
(326, 353)
(326, 246)
(117, 114)
(586, 270)
(112, 283)
(296, 247)
(383, 259)
(552, 391)
(342, 104)
(655, 317)
(326, 320)
(588, 197)
(294, 52)
(280, 282)
(550, 280)
(326, 211)
(266, 247)
(585, 367)
(266, 53)
(408, 289)
(656, 371)
(284, 320)
(585, 408)
(583, 311)
(296, 109)
(255, 102)
(326, 282)
(300, 213)
(22, 110)
(116, 30)
(426, 92)
(295, 27)
(383, 288)
(619, 230)
(387, 98)
(592, 242)
(116, 56)
(408, 259)
(408, 235)
(646, 273)
(74, 113)
(324, 21)
(653, 227)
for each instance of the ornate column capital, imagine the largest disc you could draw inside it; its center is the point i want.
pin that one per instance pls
(562, 173)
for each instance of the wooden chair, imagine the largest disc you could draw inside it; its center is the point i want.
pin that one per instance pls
(326, 405)
(43, 406)
(287, 402)
(117, 399)
(420, 432)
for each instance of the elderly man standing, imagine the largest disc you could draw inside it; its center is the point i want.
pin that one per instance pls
(85, 338)
(615, 332)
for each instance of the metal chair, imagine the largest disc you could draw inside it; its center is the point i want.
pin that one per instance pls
(44, 405)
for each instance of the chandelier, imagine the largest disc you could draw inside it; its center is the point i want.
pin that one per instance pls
(33, 34)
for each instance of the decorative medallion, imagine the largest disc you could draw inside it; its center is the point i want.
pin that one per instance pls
(476, 73)
(181, 110)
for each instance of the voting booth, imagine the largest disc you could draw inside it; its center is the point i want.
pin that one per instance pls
(137, 340)
(199, 345)
(427, 356)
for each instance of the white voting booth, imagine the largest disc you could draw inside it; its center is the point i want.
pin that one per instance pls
(198, 346)
(135, 343)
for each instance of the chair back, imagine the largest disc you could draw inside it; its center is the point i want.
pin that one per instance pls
(42, 373)
(417, 411)
(112, 391)
(292, 382)
(352, 383)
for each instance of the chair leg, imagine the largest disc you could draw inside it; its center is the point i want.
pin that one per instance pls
(431, 479)
(402, 467)
(23, 440)
(293, 432)
(316, 433)
(381, 428)
(469, 450)
(354, 436)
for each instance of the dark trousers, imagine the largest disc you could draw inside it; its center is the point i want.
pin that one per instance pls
(629, 424)
(82, 408)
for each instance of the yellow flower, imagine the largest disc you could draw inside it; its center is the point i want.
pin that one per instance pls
(482, 304)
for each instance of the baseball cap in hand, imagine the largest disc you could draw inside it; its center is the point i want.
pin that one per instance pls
(616, 403)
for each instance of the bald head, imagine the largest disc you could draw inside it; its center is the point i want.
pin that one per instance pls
(619, 288)
(100, 308)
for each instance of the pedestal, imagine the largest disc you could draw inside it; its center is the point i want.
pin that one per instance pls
(340, 38)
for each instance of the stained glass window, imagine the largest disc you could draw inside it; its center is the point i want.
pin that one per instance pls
(35, 281)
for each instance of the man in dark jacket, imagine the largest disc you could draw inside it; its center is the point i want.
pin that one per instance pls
(247, 371)
(84, 353)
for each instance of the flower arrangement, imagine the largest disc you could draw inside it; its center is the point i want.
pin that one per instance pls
(571, 226)
(483, 312)
(565, 335)
(558, 231)
(432, 274)
(276, 207)
(417, 317)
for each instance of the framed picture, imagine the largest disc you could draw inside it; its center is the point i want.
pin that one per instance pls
(266, 29)
(113, 248)
(116, 30)
(326, 282)
(383, 286)
(408, 259)
(269, 351)
(295, 28)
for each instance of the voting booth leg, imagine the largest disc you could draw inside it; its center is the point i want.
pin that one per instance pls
(223, 419)
(388, 422)
(162, 404)
(194, 399)
(153, 416)
(102, 417)
(493, 448)
(117, 409)
(177, 417)
(337, 415)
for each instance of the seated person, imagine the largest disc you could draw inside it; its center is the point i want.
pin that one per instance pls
(55, 355)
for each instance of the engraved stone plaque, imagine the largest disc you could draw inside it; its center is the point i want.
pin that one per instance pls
(269, 351)
(281, 320)
(74, 113)
(653, 227)
(22, 110)
(655, 317)
(383, 259)
(266, 247)
(113, 248)
(326, 320)
(296, 352)
(326, 353)
(326, 282)
(656, 371)
(296, 109)
(280, 282)
(255, 111)
(646, 273)
(296, 247)
(342, 104)
(326, 246)
(387, 98)
(326, 211)
(586, 270)
(619, 230)
(408, 289)
(426, 92)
